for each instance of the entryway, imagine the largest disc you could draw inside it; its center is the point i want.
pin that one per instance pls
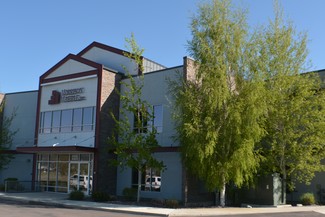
(65, 172)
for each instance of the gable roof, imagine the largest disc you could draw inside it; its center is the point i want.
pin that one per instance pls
(104, 47)
(71, 57)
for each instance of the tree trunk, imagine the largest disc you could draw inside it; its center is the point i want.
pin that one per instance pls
(139, 185)
(284, 186)
(223, 195)
(284, 176)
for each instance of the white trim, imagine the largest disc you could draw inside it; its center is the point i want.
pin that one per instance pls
(69, 80)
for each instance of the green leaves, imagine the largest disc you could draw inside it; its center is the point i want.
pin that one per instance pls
(220, 115)
(294, 114)
(133, 145)
(6, 135)
(248, 110)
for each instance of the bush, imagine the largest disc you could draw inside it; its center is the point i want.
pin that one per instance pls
(99, 196)
(11, 179)
(172, 204)
(2, 187)
(130, 193)
(12, 184)
(76, 195)
(307, 199)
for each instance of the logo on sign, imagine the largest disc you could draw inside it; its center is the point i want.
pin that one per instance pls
(55, 98)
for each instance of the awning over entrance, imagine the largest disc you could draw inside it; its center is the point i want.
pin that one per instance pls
(60, 149)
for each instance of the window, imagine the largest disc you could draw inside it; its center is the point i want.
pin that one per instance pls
(140, 124)
(158, 118)
(153, 180)
(88, 119)
(150, 180)
(77, 120)
(47, 122)
(56, 122)
(70, 120)
(66, 120)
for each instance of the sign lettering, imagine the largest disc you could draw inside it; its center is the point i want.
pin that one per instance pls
(67, 95)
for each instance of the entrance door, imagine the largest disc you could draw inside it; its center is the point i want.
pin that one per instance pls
(79, 177)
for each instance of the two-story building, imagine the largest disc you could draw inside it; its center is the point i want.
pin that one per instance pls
(61, 130)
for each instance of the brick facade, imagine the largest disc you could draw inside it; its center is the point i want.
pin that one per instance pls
(110, 102)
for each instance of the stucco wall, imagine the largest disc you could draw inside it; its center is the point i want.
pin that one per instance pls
(85, 139)
(156, 92)
(171, 179)
(23, 106)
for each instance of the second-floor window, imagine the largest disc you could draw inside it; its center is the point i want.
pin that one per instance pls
(141, 118)
(68, 120)
(142, 122)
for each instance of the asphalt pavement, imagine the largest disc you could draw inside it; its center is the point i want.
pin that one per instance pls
(61, 200)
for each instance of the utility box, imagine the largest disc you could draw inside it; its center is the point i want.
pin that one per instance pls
(267, 191)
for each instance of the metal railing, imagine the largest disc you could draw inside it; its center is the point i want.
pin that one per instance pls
(22, 186)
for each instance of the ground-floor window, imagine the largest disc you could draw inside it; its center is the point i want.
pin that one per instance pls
(150, 180)
(65, 172)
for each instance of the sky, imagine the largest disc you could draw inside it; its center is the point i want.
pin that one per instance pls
(36, 34)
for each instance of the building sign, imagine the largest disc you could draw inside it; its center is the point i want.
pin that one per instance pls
(67, 95)
(72, 95)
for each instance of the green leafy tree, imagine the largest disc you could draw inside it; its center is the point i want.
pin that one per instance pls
(134, 144)
(220, 113)
(294, 144)
(6, 136)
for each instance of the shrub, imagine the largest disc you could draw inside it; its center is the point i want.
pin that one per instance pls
(11, 179)
(172, 203)
(11, 184)
(130, 193)
(76, 195)
(2, 187)
(99, 196)
(307, 199)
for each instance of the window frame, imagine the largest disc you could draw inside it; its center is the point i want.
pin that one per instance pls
(140, 121)
(158, 122)
(149, 173)
(47, 124)
(147, 124)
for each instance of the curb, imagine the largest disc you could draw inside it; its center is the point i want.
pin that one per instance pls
(66, 204)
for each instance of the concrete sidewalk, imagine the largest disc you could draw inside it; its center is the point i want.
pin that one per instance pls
(61, 200)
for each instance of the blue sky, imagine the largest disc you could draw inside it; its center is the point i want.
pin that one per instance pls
(36, 34)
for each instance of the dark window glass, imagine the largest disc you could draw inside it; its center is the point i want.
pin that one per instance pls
(158, 118)
(84, 157)
(47, 122)
(44, 157)
(88, 117)
(41, 123)
(77, 119)
(150, 180)
(140, 123)
(66, 120)
(74, 157)
(135, 176)
(56, 121)
(53, 157)
(63, 157)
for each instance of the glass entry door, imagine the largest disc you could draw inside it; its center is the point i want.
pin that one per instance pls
(64, 172)
(79, 177)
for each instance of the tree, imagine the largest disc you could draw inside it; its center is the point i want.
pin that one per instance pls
(220, 113)
(134, 145)
(294, 144)
(6, 136)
